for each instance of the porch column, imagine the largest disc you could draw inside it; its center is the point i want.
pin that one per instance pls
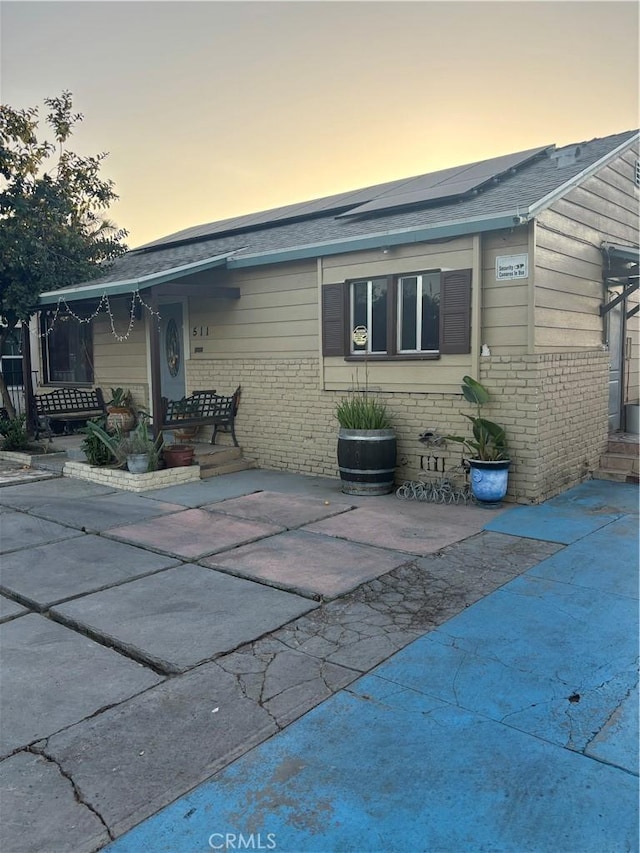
(29, 403)
(154, 355)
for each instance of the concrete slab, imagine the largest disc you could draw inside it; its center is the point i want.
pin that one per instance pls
(255, 480)
(601, 561)
(367, 626)
(308, 563)
(282, 510)
(617, 741)
(562, 687)
(192, 533)
(38, 809)
(32, 494)
(564, 524)
(9, 609)
(397, 770)
(285, 682)
(182, 617)
(416, 528)
(41, 577)
(132, 760)
(18, 530)
(53, 677)
(100, 512)
(13, 476)
(600, 496)
(203, 492)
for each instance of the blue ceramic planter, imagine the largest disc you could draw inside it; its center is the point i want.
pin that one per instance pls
(489, 480)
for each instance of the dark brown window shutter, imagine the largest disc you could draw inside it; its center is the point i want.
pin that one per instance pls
(455, 312)
(333, 319)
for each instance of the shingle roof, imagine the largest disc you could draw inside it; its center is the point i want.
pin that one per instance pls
(518, 190)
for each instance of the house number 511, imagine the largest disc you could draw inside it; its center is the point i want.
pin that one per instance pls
(200, 332)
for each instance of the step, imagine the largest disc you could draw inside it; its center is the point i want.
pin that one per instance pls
(228, 468)
(616, 476)
(629, 448)
(619, 462)
(210, 455)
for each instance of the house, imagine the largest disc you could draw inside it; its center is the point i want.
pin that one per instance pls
(521, 271)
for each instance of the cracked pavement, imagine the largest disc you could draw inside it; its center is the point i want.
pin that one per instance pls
(131, 680)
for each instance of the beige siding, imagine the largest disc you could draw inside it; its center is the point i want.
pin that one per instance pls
(632, 354)
(504, 303)
(277, 314)
(568, 273)
(120, 363)
(442, 375)
(454, 254)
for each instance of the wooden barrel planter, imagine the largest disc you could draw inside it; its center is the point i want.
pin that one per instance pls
(367, 461)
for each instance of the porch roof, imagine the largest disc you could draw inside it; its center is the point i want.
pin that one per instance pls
(101, 287)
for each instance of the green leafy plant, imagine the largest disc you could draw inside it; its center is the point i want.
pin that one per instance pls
(94, 448)
(54, 230)
(14, 433)
(361, 411)
(119, 445)
(489, 443)
(120, 399)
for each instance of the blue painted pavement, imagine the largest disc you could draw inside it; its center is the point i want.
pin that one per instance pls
(513, 727)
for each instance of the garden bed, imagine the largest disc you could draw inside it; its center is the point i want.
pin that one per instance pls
(118, 478)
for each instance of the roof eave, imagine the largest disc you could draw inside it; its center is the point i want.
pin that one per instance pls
(114, 288)
(383, 239)
(547, 200)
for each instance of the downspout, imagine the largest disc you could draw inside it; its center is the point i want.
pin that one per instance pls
(531, 287)
(154, 350)
(319, 274)
(476, 304)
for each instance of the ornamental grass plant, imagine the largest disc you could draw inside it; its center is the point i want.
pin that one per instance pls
(361, 411)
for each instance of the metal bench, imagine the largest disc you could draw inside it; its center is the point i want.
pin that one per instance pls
(67, 405)
(200, 409)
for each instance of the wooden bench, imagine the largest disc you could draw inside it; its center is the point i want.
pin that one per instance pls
(200, 409)
(67, 405)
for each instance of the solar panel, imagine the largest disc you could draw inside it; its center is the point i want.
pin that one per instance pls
(446, 183)
(275, 215)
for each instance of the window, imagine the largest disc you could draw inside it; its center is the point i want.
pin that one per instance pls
(369, 309)
(68, 351)
(416, 315)
(11, 359)
(419, 313)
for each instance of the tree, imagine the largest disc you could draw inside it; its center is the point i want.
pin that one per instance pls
(53, 230)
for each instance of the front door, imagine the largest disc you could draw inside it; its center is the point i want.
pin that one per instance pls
(172, 370)
(615, 331)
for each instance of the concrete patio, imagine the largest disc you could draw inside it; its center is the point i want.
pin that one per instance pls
(149, 642)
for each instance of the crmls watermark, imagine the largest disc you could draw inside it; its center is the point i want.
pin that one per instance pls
(238, 841)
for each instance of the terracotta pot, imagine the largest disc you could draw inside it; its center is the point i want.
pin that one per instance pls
(178, 455)
(122, 419)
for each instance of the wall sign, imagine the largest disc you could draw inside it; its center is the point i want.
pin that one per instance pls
(512, 266)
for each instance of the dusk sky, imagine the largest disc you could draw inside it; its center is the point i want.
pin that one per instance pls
(214, 109)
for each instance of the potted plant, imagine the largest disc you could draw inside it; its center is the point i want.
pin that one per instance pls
(366, 445)
(120, 415)
(138, 450)
(489, 463)
(177, 455)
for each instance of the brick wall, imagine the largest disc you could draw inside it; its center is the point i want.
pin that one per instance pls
(553, 406)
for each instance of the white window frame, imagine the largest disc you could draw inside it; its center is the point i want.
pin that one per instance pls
(367, 349)
(419, 278)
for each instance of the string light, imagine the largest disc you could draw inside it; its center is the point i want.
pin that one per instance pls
(103, 303)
